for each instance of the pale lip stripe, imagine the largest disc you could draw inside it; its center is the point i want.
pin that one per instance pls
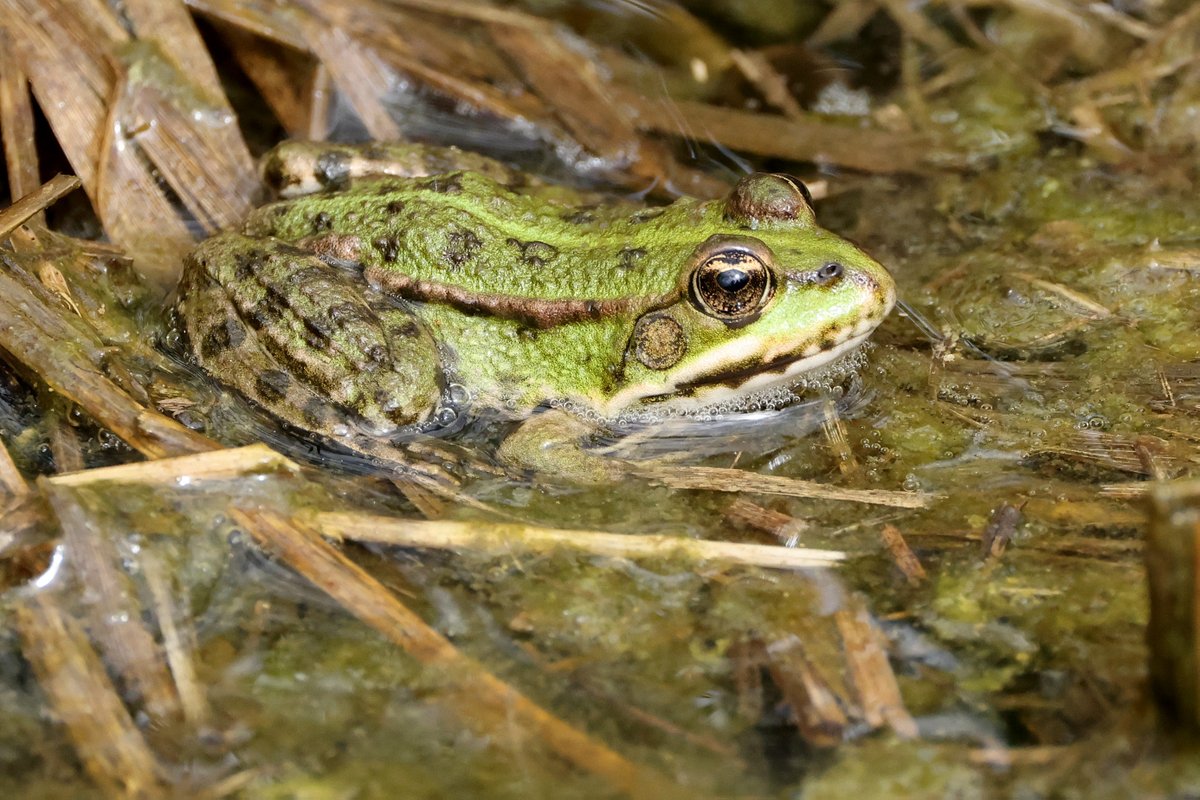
(734, 351)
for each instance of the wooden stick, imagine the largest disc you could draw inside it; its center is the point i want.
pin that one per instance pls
(504, 537)
(178, 642)
(812, 138)
(11, 480)
(906, 560)
(114, 609)
(722, 479)
(815, 705)
(35, 202)
(483, 701)
(871, 673)
(36, 335)
(215, 465)
(1173, 570)
(109, 745)
(16, 123)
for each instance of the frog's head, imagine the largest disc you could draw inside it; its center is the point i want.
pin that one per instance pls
(765, 297)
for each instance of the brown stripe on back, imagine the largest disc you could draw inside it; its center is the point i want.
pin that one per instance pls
(535, 312)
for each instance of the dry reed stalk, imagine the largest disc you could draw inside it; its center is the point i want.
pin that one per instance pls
(114, 609)
(1173, 633)
(481, 699)
(16, 125)
(817, 709)
(902, 555)
(722, 479)
(82, 698)
(871, 674)
(507, 537)
(61, 353)
(214, 465)
(11, 481)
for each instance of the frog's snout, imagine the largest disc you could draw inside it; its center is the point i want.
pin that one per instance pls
(879, 290)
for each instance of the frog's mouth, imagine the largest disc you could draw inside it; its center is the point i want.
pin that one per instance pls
(747, 379)
(753, 370)
(767, 373)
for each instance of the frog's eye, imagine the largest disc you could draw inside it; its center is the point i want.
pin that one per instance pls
(732, 285)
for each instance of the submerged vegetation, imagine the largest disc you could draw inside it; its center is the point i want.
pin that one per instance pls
(925, 580)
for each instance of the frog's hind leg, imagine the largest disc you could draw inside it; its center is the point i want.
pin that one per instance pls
(298, 337)
(292, 169)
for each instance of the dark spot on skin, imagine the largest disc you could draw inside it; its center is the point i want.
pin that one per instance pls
(225, 335)
(645, 215)
(828, 338)
(375, 153)
(408, 330)
(443, 184)
(378, 354)
(631, 258)
(333, 169)
(315, 339)
(395, 207)
(275, 175)
(272, 384)
(535, 254)
(321, 222)
(461, 247)
(306, 276)
(314, 411)
(290, 250)
(581, 216)
(247, 264)
(516, 180)
(264, 315)
(527, 334)
(388, 247)
(344, 314)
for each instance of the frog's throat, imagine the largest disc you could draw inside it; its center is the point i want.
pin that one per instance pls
(538, 313)
(705, 384)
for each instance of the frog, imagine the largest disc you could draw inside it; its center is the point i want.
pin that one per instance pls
(391, 284)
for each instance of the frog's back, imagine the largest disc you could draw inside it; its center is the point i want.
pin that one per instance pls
(470, 232)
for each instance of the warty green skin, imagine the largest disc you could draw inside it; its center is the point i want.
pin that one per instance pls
(529, 253)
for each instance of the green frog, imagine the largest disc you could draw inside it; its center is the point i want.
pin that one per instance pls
(396, 282)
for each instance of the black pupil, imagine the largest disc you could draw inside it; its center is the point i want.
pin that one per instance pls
(732, 280)
(830, 271)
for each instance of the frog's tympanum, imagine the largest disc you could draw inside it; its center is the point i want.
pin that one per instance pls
(362, 307)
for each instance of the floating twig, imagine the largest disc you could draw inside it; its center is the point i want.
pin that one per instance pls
(214, 465)
(109, 745)
(11, 480)
(481, 699)
(902, 555)
(722, 479)
(871, 673)
(36, 202)
(505, 537)
(816, 708)
(114, 609)
(35, 334)
(1173, 570)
